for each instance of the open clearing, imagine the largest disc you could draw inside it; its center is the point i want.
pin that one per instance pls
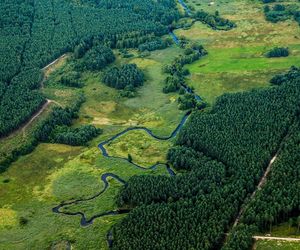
(236, 59)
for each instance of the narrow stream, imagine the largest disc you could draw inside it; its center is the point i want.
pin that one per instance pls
(84, 220)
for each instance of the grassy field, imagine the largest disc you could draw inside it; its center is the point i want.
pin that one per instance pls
(36, 183)
(145, 150)
(285, 230)
(236, 59)
(275, 245)
(52, 173)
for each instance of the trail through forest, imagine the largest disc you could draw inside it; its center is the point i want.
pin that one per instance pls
(275, 238)
(262, 180)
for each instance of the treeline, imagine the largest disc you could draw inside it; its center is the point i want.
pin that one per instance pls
(53, 129)
(221, 155)
(278, 201)
(280, 12)
(175, 81)
(278, 52)
(126, 78)
(33, 33)
(279, 198)
(155, 44)
(19, 99)
(96, 58)
(71, 79)
(292, 75)
(74, 136)
(215, 21)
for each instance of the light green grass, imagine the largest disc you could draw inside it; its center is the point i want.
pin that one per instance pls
(103, 203)
(230, 70)
(284, 230)
(151, 108)
(49, 175)
(276, 245)
(236, 59)
(145, 150)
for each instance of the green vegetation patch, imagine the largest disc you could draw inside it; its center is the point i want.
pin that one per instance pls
(236, 69)
(144, 149)
(276, 245)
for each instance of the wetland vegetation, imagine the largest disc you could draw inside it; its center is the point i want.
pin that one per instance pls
(213, 112)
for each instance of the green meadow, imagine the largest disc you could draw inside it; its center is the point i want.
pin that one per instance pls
(53, 173)
(236, 60)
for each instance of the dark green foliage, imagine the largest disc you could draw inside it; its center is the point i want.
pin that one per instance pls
(155, 44)
(269, 1)
(280, 12)
(278, 52)
(23, 221)
(277, 13)
(127, 75)
(96, 58)
(279, 199)
(34, 33)
(28, 79)
(177, 73)
(71, 79)
(17, 105)
(185, 158)
(214, 21)
(59, 117)
(129, 91)
(187, 101)
(292, 74)
(223, 154)
(74, 136)
(173, 83)
(240, 238)
(129, 158)
(6, 181)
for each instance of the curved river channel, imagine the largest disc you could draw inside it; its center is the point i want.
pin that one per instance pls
(87, 221)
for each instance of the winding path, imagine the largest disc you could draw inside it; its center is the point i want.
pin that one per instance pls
(38, 113)
(275, 238)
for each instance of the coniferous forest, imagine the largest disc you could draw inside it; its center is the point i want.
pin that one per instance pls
(223, 154)
(36, 32)
(149, 124)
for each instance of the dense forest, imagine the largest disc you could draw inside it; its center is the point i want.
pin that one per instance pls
(126, 78)
(278, 200)
(55, 129)
(74, 136)
(155, 44)
(36, 32)
(221, 155)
